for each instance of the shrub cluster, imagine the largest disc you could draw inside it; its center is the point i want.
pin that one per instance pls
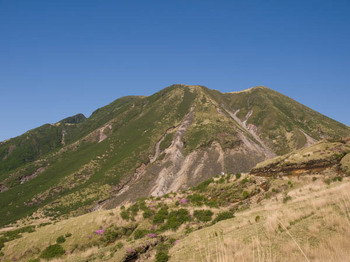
(176, 218)
(113, 233)
(203, 215)
(162, 253)
(140, 233)
(60, 240)
(52, 251)
(161, 215)
(223, 216)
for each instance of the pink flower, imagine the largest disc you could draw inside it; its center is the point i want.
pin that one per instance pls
(130, 250)
(152, 235)
(183, 201)
(90, 236)
(177, 241)
(99, 232)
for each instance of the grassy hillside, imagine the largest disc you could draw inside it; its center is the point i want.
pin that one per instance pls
(280, 120)
(141, 146)
(230, 217)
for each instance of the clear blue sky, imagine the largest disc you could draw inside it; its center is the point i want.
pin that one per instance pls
(59, 58)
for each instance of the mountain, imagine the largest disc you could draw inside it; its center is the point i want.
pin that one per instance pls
(141, 146)
(293, 207)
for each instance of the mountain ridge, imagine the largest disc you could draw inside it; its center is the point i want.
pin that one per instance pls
(139, 146)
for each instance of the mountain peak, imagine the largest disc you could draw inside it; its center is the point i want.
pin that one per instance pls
(250, 89)
(140, 146)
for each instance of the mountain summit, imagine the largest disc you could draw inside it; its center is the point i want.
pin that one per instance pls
(140, 146)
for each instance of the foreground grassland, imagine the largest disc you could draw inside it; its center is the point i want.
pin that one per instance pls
(294, 219)
(313, 226)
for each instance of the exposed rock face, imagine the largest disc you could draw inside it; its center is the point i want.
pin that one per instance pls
(314, 158)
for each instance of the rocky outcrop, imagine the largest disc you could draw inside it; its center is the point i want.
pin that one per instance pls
(319, 156)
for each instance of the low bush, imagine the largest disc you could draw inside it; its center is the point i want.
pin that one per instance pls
(162, 253)
(176, 218)
(245, 194)
(196, 199)
(124, 215)
(160, 216)
(286, 198)
(60, 240)
(223, 216)
(203, 215)
(52, 251)
(204, 185)
(244, 180)
(140, 233)
(147, 213)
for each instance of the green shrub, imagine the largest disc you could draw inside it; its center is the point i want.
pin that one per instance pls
(221, 180)
(337, 178)
(245, 194)
(143, 205)
(275, 190)
(60, 240)
(176, 218)
(257, 219)
(244, 180)
(124, 215)
(212, 203)
(162, 253)
(286, 198)
(68, 235)
(203, 215)
(134, 209)
(34, 260)
(52, 251)
(223, 216)
(147, 213)
(196, 199)
(204, 185)
(238, 175)
(140, 233)
(111, 234)
(314, 179)
(162, 256)
(119, 245)
(160, 216)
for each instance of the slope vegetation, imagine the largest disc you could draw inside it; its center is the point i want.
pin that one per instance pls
(230, 217)
(141, 146)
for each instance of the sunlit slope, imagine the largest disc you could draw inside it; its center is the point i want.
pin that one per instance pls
(141, 146)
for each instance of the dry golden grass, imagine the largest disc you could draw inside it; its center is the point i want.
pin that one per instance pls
(313, 226)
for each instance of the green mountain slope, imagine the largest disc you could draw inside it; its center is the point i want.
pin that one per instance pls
(295, 216)
(141, 146)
